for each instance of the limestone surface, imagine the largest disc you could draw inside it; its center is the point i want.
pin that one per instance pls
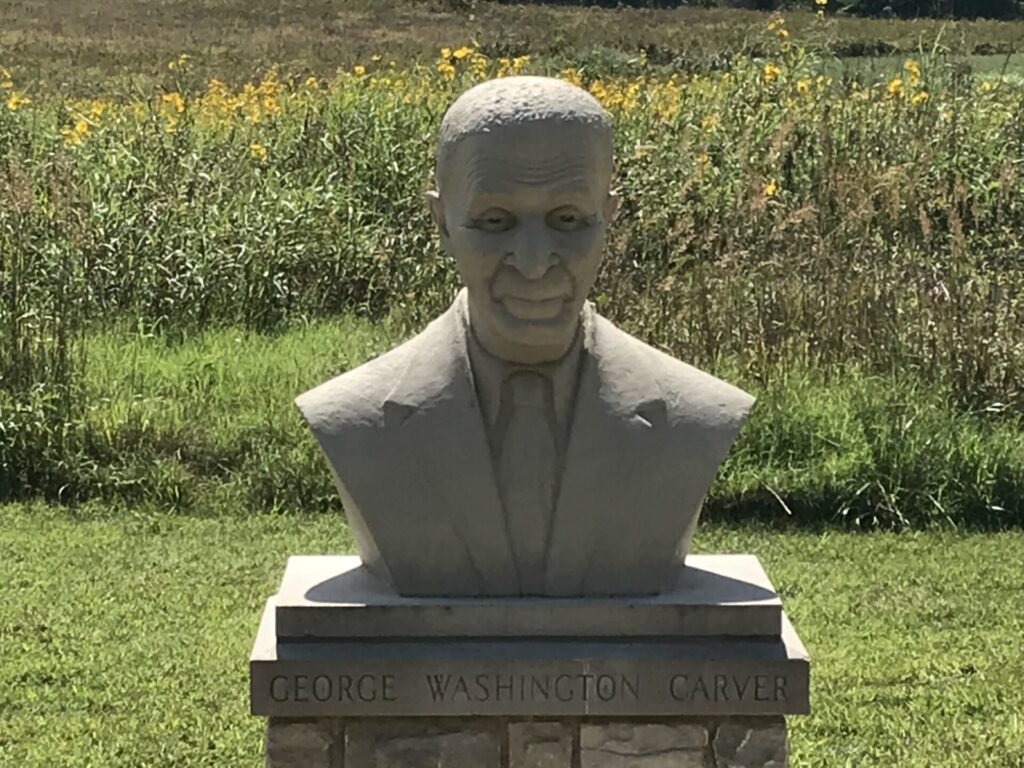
(303, 744)
(759, 744)
(334, 596)
(653, 745)
(476, 742)
(539, 745)
(422, 744)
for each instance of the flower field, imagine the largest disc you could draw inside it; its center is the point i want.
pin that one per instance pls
(776, 218)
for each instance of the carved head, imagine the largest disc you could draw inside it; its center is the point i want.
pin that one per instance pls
(523, 199)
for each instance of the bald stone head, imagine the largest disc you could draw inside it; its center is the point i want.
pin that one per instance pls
(523, 199)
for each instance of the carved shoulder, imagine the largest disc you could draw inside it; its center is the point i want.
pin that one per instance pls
(354, 398)
(692, 398)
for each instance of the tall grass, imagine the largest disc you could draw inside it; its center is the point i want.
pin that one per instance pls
(83, 47)
(773, 220)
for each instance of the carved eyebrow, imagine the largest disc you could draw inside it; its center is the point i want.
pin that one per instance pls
(572, 190)
(574, 195)
(566, 170)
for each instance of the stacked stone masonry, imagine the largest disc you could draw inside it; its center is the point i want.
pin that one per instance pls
(741, 742)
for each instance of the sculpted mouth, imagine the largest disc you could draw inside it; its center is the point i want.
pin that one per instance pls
(534, 308)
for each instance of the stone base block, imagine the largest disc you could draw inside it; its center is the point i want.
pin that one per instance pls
(312, 743)
(490, 742)
(422, 743)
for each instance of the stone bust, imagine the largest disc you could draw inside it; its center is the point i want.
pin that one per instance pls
(522, 444)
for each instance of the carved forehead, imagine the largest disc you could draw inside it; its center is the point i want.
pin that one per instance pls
(512, 102)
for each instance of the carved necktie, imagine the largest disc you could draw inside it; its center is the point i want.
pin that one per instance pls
(527, 471)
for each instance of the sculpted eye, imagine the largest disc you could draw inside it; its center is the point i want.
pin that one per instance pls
(567, 218)
(494, 220)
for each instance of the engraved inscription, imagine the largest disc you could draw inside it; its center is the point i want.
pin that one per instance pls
(323, 688)
(484, 688)
(445, 690)
(726, 688)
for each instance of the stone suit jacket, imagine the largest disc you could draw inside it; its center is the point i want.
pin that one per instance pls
(405, 437)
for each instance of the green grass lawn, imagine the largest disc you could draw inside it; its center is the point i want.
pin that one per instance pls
(126, 636)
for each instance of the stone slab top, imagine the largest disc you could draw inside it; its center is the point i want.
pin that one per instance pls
(335, 597)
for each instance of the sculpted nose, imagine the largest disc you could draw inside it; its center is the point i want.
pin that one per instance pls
(532, 253)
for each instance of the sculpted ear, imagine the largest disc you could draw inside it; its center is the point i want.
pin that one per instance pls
(611, 205)
(437, 213)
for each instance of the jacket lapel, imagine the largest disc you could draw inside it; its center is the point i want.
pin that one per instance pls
(618, 423)
(434, 415)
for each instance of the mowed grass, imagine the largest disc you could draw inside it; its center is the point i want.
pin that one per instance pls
(126, 634)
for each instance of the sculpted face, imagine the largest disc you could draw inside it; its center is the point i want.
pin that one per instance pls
(523, 210)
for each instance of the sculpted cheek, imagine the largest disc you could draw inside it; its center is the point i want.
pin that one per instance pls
(478, 255)
(580, 247)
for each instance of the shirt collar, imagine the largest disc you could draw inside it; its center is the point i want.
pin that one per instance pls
(490, 372)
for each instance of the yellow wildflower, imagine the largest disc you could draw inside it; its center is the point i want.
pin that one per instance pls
(703, 158)
(312, 82)
(775, 23)
(75, 135)
(478, 65)
(16, 100)
(376, 57)
(770, 72)
(770, 189)
(359, 70)
(782, 32)
(919, 98)
(803, 86)
(446, 53)
(985, 86)
(913, 70)
(174, 100)
(463, 52)
(445, 69)
(708, 122)
(894, 87)
(6, 83)
(258, 151)
(571, 75)
(820, 14)
(179, 62)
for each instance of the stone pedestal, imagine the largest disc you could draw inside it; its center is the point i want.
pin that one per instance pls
(350, 675)
(753, 742)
